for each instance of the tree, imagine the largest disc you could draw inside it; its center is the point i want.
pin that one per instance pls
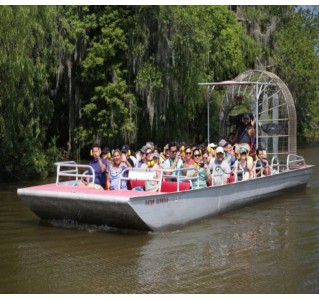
(108, 108)
(174, 48)
(298, 64)
(25, 106)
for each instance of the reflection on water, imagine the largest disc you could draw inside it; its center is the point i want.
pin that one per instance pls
(253, 250)
(272, 247)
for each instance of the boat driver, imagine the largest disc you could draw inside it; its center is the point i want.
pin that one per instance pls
(245, 131)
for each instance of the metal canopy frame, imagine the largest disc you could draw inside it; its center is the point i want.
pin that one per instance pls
(259, 87)
(271, 103)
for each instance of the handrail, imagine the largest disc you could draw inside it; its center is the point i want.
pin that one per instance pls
(275, 165)
(220, 174)
(239, 171)
(260, 168)
(179, 178)
(72, 172)
(293, 160)
(139, 170)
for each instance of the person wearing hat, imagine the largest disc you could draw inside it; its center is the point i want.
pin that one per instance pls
(152, 164)
(243, 168)
(127, 153)
(142, 158)
(106, 154)
(219, 168)
(211, 148)
(245, 133)
(222, 143)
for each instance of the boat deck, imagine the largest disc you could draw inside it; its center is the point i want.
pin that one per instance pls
(52, 187)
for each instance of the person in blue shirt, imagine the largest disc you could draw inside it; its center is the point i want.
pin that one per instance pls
(230, 156)
(99, 166)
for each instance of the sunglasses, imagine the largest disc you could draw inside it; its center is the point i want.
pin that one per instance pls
(188, 153)
(196, 155)
(148, 153)
(174, 151)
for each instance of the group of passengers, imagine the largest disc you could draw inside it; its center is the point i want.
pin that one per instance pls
(204, 166)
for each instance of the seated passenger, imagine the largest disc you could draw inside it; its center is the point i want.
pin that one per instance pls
(119, 163)
(164, 155)
(100, 168)
(219, 168)
(142, 155)
(174, 162)
(211, 148)
(206, 157)
(230, 155)
(201, 169)
(106, 154)
(126, 150)
(188, 160)
(243, 168)
(247, 147)
(262, 161)
(152, 163)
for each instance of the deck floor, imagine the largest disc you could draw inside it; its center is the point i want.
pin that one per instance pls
(52, 187)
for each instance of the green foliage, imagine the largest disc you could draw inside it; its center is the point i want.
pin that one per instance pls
(108, 108)
(128, 74)
(298, 64)
(25, 108)
(183, 46)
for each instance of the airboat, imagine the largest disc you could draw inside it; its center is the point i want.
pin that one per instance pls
(177, 203)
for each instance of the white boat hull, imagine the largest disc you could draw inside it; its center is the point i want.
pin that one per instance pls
(155, 211)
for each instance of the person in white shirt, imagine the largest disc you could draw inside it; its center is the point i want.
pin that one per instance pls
(219, 168)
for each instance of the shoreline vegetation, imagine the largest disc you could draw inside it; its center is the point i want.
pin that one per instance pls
(74, 75)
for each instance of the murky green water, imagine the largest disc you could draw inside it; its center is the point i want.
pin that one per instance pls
(272, 247)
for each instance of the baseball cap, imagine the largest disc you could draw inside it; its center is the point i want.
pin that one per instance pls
(212, 145)
(243, 150)
(143, 149)
(125, 148)
(106, 150)
(220, 149)
(222, 143)
(156, 155)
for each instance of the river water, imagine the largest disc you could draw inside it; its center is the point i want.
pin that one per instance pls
(272, 247)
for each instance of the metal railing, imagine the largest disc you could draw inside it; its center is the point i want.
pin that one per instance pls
(79, 171)
(148, 175)
(295, 161)
(275, 165)
(72, 169)
(219, 173)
